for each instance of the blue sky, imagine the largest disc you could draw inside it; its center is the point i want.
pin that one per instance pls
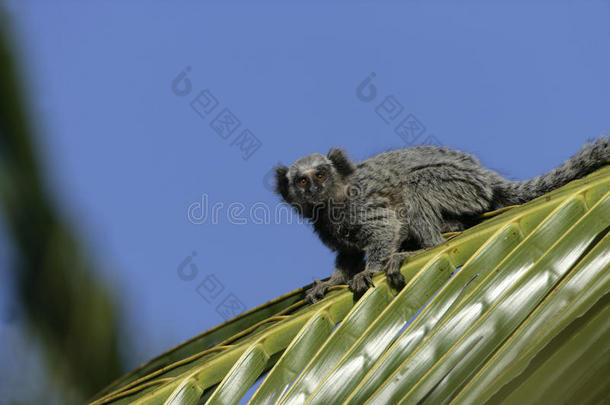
(521, 85)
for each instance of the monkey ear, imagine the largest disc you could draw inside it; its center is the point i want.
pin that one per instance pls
(281, 181)
(344, 166)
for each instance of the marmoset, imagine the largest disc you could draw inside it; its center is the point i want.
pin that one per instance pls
(402, 201)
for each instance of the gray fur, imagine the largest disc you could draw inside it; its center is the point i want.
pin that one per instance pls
(404, 200)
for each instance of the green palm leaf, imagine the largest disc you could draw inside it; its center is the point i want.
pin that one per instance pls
(515, 309)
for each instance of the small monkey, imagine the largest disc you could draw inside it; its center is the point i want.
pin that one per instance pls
(404, 200)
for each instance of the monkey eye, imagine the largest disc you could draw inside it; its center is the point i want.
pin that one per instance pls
(303, 181)
(320, 177)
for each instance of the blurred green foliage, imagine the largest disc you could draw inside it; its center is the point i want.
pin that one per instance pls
(69, 311)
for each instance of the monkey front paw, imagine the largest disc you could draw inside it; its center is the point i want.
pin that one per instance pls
(317, 292)
(360, 283)
(392, 270)
(396, 280)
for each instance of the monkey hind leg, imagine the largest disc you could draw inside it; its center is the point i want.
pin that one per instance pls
(452, 225)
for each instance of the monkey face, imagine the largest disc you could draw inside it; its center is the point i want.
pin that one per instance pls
(314, 178)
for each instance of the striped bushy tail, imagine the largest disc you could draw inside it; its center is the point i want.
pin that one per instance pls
(592, 156)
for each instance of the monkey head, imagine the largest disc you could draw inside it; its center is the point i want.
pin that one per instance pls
(314, 179)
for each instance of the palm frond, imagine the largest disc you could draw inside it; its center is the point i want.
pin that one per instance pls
(515, 309)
